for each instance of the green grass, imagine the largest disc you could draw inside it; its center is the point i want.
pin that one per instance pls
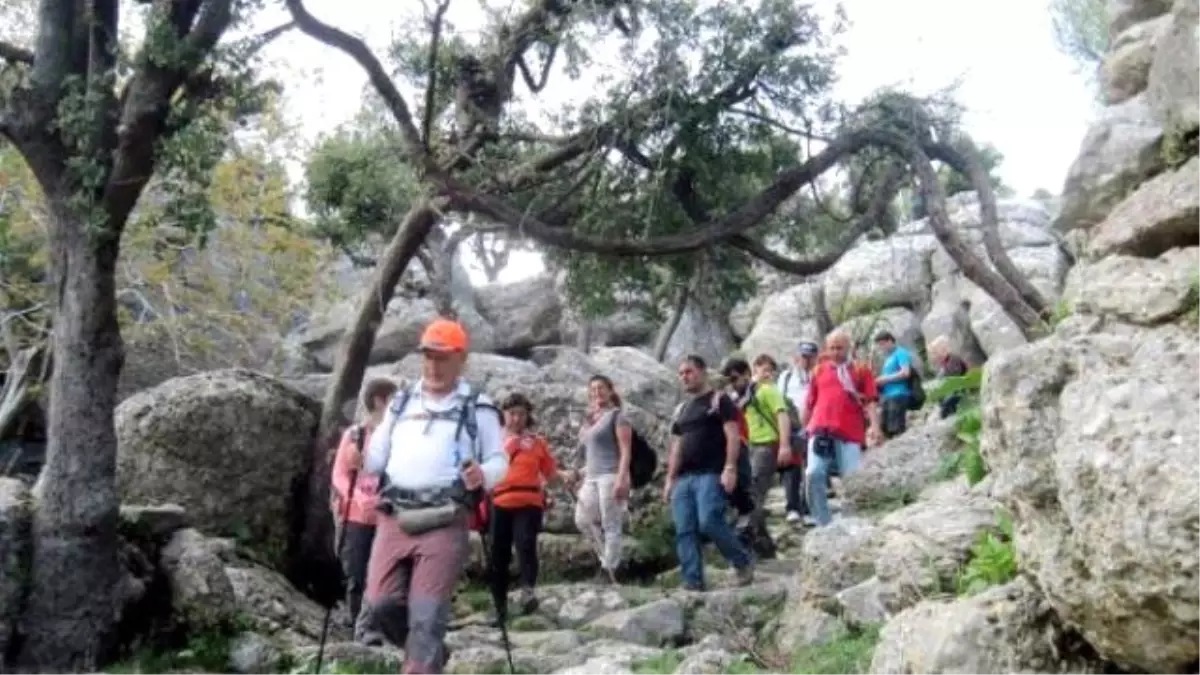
(207, 652)
(850, 653)
(1192, 315)
(666, 662)
(355, 667)
(886, 501)
(477, 598)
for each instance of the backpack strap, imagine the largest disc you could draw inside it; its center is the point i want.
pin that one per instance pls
(359, 435)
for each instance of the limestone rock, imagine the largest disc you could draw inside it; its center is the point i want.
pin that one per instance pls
(15, 523)
(1076, 430)
(1161, 214)
(1127, 65)
(787, 317)
(1007, 629)
(1120, 150)
(1136, 290)
(229, 446)
(1173, 82)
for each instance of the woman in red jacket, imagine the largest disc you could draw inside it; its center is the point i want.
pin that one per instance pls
(519, 503)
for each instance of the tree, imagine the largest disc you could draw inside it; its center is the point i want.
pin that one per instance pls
(94, 122)
(658, 131)
(1081, 32)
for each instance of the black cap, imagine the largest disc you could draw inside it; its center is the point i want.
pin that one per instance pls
(884, 335)
(808, 349)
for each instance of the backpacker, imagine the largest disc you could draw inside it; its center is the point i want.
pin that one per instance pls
(467, 420)
(643, 461)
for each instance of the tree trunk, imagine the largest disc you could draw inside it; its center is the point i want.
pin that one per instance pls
(663, 341)
(355, 350)
(583, 340)
(75, 595)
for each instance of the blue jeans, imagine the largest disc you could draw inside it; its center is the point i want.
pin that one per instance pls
(847, 455)
(698, 505)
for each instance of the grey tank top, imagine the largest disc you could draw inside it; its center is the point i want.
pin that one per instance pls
(601, 453)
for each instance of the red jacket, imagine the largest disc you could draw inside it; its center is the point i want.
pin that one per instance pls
(835, 410)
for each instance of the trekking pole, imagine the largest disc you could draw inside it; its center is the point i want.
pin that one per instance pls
(473, 499)
(341, 542)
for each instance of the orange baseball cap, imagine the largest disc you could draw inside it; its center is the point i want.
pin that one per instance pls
(444, 335)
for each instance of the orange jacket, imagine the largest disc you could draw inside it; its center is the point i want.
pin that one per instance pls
(365, 497)
(530, 465)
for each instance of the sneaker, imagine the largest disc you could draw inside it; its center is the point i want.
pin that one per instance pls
(695, 588)
(809, 521)
(370, 638)
(745, 576)
(793, 516)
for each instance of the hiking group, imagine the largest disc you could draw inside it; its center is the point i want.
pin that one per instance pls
(432, 462)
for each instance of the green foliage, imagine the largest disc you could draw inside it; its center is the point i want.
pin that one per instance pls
(1178, 146)
(968, 423)
(1081, 32)
(886, 501)
(992, 560)
(206, 652)
(358, 184)
(1192, 315)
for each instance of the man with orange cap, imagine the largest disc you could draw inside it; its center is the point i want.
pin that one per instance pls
(439, 442)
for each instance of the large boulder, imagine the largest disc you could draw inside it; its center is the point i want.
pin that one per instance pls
(1006, 629)
(230, 446)
(1173, 82)
(1121, 149)
(1143, 291)
(1159, 215)
(524, 314)
(1092, 443)
(703, 330)
(785, 318)
(903, 466)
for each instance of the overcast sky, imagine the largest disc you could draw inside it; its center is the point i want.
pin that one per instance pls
(1021, 95)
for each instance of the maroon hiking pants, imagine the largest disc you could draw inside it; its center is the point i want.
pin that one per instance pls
(410, 587)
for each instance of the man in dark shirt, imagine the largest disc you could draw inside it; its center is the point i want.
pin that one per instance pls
(701, 474)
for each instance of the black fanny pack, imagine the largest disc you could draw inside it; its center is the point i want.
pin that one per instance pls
(824, 445)
(421, 511)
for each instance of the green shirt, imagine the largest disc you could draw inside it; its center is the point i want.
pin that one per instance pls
(764, 430)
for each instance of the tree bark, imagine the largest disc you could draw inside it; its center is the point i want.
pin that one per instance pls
(76, 578)
(663, 341)
(316, 547)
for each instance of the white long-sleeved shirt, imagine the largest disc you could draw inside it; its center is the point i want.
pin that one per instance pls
(421, 451)
(793, 384)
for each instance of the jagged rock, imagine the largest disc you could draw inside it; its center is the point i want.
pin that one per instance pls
(702, 330)
(349, 657)
(802, 624)
(1126, 68)
(523, 314)
(949, 315)
(201, 595)
(252, 653)
(230, 446)
(15, 522)
(656, 624)
(900, 322)
(874, 275)
(787, 317)
(871, 602)
(1160, 215)
(1007, 629)
(1173, 84)
(1142, 291)
(152, 523)
(1122, 14)
(1120, 150)
(902, 466)
(1076, 430)
(837, 556)
(712, 661)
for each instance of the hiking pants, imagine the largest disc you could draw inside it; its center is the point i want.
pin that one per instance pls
(742, 498)
(600, 518)
(763, 459)
(698, 504)
(895, 416)
(792, 479)
(355, 554)
(514, 528)
(847, 456)
(410, 586)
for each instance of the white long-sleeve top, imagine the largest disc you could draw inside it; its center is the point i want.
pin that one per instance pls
(421, 451)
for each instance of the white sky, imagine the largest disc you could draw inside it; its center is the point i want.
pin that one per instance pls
(1021, 94)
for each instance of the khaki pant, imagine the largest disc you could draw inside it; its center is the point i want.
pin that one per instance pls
(600, 518)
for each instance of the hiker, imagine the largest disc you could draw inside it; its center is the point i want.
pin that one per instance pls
(702, 474)
(948, 364)
(840, 392)
(793, 384)
(439, 444)
(518, 505)
(895, 384)
(606, 439)
(356, 512)
(769, 435)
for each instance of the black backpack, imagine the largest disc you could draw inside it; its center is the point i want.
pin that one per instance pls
(916, 401)
(643, 462)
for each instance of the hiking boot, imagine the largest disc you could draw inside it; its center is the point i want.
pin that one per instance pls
(695, 588)
(527, 602)
(792, 517)
(744, 576)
